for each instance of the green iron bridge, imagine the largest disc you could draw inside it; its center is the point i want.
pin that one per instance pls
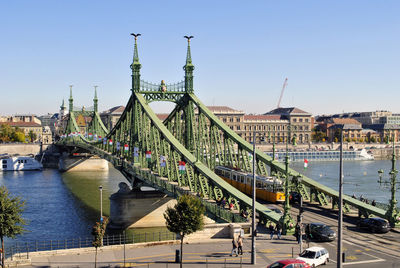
(152, 152)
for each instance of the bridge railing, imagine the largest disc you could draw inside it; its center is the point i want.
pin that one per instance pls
(177, 87)
(175, 190)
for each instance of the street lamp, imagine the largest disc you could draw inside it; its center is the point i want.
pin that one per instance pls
(392, 212)
(101, 203)
(286, 218)
(340, 216)
(253, 216)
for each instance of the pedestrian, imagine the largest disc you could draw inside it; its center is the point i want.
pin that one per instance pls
(230, 206)
(223, 202)
(373, 202)
(234, 247)
(278, 229)
(298, 232)
(240, 245)
(271, 230)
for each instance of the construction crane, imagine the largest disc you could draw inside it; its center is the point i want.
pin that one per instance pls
(283, 89)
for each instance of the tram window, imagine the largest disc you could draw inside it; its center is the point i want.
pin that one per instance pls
(4, 161)
(234, 177)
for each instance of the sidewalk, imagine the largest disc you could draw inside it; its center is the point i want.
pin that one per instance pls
(210, 253)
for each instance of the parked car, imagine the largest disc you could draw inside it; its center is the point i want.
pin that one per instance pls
(375, 225)
(275, 209)
(294, 197)
(319, 231)
(289, 263)
(314, 256)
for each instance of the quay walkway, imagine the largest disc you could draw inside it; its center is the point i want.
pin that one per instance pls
(207, 253)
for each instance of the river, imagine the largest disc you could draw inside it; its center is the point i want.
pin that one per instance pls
(66, 205)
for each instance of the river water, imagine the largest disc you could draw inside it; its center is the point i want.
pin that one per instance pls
(66, 205)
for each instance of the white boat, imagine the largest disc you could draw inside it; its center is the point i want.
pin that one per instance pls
(11, 163)
(299, 156)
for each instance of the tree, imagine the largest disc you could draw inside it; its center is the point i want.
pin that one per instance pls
(337, 135)
(5, 132)
(11, 221)
(32, 136)
(318, 135)
(186, 217)
(98, 231)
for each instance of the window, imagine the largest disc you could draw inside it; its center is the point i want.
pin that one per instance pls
(306, 120)
(294, 120)
(301, 120)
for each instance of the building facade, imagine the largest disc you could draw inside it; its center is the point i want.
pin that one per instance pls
(111, 116)
(300, 122)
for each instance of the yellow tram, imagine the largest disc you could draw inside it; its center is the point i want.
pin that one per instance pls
(267, 188)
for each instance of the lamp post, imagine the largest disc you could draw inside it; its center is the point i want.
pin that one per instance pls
(253, 214)
(101, 203)
(286, 218)
(340, 216)
(392, 212)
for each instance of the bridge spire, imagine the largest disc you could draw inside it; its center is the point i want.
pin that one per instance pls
(189, 67)
(95, 100)
(71, 100)
(135, 66)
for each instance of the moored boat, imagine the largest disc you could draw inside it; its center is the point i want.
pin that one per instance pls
(15, 163)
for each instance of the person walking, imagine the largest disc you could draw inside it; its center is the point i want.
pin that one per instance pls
(271, 230)
(240, 245)
(298, 232)
(278, 230)
(234, 247)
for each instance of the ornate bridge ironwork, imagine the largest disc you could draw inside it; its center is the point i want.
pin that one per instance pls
(192, 139)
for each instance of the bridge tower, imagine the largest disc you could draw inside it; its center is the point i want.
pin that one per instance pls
(189, 108)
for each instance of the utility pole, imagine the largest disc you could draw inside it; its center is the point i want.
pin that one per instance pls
(300, 221)
(340, 216)
(253, 216)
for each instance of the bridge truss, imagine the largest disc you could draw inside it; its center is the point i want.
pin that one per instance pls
(179, 155)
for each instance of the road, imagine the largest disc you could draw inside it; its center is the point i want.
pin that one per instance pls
(361, 248)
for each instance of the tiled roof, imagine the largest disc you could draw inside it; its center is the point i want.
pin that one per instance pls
(22, 124)
(347, 121)
(265, 117)
(287, 111)
(115, 110)
(162, 117)
(223, 109)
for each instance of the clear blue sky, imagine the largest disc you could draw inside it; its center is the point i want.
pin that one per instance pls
(338, 55)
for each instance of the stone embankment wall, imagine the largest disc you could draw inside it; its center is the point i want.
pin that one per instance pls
(49, 159)
(21, 148)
